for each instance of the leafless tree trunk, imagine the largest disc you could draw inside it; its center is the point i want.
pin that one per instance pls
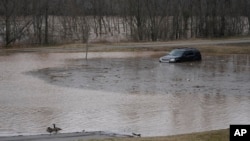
(46, 16)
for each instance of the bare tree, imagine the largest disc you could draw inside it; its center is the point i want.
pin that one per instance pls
(47, 21)
(40, 14)
(15, 25)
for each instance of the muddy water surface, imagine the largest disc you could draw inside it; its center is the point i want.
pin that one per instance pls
(122, 92)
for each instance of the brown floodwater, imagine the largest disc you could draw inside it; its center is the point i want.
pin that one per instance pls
(122, 92)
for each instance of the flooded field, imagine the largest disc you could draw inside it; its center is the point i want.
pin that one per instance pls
(122, 92)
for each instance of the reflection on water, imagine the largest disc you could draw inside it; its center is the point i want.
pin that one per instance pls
(122, 92)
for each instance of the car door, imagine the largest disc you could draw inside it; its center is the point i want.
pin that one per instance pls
(188, 56)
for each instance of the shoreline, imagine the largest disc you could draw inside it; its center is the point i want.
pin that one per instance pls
(221, 134)
(218, 46)
(65, 136)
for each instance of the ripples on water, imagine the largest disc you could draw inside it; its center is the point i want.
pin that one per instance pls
(122, 92)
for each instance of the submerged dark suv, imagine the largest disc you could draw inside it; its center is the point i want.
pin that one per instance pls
(182, 55)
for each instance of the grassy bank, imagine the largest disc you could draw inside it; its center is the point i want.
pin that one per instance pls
(222, 46)
(216, 135)
(207, 49)
(226, 49)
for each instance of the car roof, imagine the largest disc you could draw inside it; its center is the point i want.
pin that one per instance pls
(186, 49)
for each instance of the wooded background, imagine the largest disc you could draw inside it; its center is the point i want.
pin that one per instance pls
(43, 22)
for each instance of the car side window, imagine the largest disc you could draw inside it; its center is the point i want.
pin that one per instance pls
(189, 53)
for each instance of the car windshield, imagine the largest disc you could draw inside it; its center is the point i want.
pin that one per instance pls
(176, 53)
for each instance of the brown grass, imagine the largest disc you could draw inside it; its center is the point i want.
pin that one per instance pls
(208, 49)
(222, 49)
(241, 48)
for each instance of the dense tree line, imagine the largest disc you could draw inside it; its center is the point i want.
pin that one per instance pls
(60, 21)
